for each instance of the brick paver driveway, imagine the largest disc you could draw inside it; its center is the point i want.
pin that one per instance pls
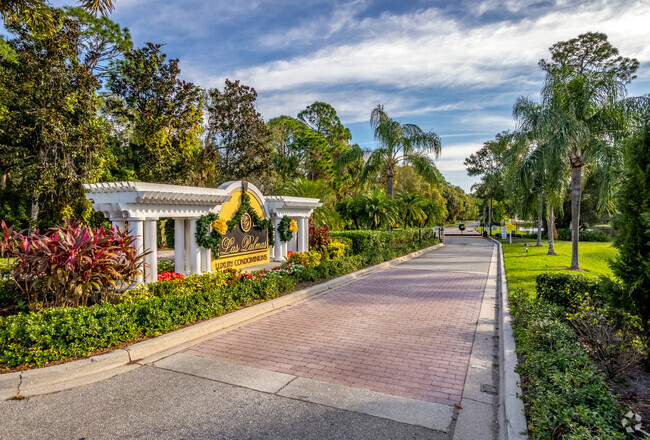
(406, 331)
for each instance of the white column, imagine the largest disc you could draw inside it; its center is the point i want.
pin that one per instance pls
(118, 223)
(186, 249)
(179, 245)
(206, 257)
(283, 256)
(137, 230)
(303, 234)
(151, 244)
(194, 249)
(277, 255)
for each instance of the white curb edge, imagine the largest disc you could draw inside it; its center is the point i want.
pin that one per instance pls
(95, 368)
(511, 416)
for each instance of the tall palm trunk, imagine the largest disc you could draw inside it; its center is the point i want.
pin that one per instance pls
(390, 174)
(576, 193)
(540, 221)
(551, 229)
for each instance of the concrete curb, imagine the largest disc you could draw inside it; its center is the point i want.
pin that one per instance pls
(512, 419)
(93, 369)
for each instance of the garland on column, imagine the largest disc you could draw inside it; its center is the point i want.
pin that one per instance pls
(212, 239)
(285, 229)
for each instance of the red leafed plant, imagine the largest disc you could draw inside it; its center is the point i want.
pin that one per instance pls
(170, 276)
(319, 236)
(70, 264)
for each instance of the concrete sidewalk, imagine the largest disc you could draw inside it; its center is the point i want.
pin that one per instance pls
(394, 355)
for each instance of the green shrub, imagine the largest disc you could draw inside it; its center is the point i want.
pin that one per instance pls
(166, 266)
(336, 249)
(565, 395)
(58, 333)
(307, 259)
(377, 241)
(586, 236)
(566, 290)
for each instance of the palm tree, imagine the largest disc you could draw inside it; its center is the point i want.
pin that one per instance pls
(401, 143)
(581, 113)
(411, 205)
(375, 209)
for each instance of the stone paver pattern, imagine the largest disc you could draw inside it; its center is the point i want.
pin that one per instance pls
(405, 332)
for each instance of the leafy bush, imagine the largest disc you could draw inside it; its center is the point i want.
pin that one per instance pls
(586, 236)
(566, 396)
(616, 348)
(378, 241)
(336, 249)
(166, 266)
(69, 264)
(566, 290)
(57, 333)
(319, 237)
(307, 259)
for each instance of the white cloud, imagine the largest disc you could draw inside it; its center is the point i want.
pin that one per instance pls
(428, 49)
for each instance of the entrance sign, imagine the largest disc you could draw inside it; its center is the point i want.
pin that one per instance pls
(246, 244)
(139, 206)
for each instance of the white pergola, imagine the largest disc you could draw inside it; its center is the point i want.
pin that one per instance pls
(140, 205)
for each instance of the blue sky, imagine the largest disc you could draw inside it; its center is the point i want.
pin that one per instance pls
(455, 67)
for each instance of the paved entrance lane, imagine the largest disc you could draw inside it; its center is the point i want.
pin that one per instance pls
(406, 331)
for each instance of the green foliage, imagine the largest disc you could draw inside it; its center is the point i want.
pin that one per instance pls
(565, 395)
(614, 346)
(367, 242)
(565, 290)
(51, 138)
(338, 249)
(401, 143)
(585, 236)
(166, 265)
(283, 229)
(633, 224)
(101, 40)
(237, 135)
(299, 151)
(158, 117)
(307, 259)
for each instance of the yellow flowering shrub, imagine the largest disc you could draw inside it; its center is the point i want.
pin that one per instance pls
(293, 226)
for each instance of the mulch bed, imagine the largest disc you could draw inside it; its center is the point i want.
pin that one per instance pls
(635, 392)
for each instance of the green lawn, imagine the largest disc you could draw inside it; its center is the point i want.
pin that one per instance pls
(522, 268)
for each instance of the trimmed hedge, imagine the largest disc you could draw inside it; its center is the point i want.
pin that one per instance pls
(59, 333)
(36, 338)
(586, 236)
(565, 290)
(566, 396)
(377, 241)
